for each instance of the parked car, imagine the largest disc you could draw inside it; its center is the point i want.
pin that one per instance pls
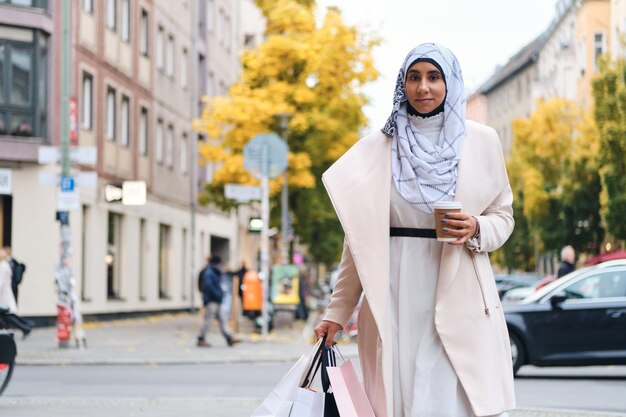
(576, 320)
(508, 282)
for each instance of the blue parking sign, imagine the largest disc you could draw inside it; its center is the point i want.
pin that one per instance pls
(67, 184)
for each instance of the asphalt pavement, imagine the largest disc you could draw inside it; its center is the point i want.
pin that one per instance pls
(170, 339)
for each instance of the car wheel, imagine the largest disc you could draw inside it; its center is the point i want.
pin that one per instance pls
(518, 353)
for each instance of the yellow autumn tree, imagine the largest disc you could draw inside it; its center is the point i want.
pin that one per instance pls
(553, 171)
(314, 72)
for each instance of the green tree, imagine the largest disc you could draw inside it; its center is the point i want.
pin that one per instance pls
(609, 93)
(554, 175)
(315, 72)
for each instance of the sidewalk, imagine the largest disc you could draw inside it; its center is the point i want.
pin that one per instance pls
(165, 339)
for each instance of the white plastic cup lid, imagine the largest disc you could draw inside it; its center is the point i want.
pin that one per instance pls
(447, 205)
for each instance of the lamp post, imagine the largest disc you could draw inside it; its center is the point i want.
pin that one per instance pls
(284, 224)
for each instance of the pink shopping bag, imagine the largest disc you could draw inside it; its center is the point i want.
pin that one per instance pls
(349, 393)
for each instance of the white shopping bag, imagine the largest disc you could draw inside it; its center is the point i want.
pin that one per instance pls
(308, 403)
(279, 402)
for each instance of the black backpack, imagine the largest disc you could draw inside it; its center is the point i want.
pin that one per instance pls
(201, 280)
(18, 271)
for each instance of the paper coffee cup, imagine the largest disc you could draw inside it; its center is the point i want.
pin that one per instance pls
(441, 208)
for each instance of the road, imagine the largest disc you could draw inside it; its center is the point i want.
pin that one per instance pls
(233, 389)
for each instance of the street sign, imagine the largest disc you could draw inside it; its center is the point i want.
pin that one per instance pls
(134, 193)
(68, 201)
(131, 193)
(276, 150)
(242, 193)
(6, 181)
(73, 121)
(112, 193)
(82, 179)
(78, 154)
(66, 184)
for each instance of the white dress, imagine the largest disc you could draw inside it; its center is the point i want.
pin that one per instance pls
(425, 384)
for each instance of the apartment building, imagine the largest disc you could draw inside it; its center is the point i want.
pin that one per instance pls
(546, 67)
(593, 35)
(139, 68)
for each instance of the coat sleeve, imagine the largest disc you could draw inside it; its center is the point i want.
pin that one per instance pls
(347, 290)
(496, 222)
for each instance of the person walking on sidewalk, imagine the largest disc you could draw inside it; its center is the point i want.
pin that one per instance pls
(17, 271)
(212, 295)
(8, 306)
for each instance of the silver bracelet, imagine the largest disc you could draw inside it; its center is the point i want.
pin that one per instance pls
(477, 233)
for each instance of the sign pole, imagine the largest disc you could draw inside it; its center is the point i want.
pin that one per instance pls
(68, 308)
(265, 216)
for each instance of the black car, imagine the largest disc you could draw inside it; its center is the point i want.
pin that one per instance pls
(579, 319)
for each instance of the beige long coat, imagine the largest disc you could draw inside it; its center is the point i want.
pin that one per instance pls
(468, 313)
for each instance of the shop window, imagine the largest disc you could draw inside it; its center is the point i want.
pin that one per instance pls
(23, 82)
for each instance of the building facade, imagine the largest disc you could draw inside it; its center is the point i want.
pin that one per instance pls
(139, 69)
(593, 34)
(546, 67)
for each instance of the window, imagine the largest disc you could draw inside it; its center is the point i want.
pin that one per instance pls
(598, 47)
(125, 6)
(85, 250)
(159, 48)
(169, 57)
(158, 146)
(23, 82)
(87, 104)
(202, 11)
(183, 70)
(583, 55)
(110, 114)
(112, 258)
(125, 122)
(210, 16)
(227, 33)
(202, 75)
(88, 6)
(184, 162)
(609, 284)
(111, 14)
(41, 4)
(144, 36)
(143, 131)
(164, 260)
(169, 147)
(143, 239)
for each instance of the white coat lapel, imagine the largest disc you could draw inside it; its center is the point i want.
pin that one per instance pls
(478, 184)
(359, 187)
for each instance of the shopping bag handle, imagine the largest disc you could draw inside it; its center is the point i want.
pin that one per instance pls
(328, 360)
(315, 364)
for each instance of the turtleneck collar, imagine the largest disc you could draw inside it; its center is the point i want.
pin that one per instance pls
(412, 112)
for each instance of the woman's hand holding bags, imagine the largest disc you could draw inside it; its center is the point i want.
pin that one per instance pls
(310, 403)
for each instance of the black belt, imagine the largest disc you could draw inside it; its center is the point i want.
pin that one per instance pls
(412, 232)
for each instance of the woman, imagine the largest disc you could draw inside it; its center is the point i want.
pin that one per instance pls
(8, 306)
(432, 337)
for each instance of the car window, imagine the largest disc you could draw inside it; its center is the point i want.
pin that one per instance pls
(607, 284)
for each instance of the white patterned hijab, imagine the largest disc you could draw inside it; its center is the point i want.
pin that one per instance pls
(423, 172)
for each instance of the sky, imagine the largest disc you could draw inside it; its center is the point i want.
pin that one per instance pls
(481, 33)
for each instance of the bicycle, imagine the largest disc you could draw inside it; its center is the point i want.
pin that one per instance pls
(8, 351)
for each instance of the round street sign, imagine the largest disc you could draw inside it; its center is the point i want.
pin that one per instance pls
(276, 149)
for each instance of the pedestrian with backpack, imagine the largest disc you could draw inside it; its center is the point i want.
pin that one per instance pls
(17, 271)
(210, 285)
